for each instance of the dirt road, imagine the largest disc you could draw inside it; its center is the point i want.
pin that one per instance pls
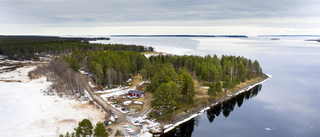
(107, 107)
(104, 104)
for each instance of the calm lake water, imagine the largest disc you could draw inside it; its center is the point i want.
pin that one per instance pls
(287, 105)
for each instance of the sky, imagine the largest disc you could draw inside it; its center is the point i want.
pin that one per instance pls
(111, 17)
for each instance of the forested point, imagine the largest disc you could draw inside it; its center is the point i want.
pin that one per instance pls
(170, 76)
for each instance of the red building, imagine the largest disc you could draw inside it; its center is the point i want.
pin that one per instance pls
(134, 93)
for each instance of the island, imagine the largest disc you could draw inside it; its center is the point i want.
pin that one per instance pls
(140, 90)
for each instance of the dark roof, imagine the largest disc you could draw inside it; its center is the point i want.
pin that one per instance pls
(135, 92)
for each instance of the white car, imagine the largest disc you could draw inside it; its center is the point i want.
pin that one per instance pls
(116, 116)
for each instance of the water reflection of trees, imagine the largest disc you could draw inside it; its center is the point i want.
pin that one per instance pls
(186, 129)
(228, 106)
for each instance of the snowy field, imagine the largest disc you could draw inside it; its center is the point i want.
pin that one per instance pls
(26, 112)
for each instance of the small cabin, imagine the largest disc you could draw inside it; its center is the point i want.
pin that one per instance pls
(134, 93)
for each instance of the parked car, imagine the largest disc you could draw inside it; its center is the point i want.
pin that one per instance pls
(111, 111)
(116, 116)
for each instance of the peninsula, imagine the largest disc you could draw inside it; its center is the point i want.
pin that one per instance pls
(131, 88)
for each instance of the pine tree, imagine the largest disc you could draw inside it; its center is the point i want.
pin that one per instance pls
(187, 86)
(84, 128)
(100, 131)
(67, 135)
(99, 73)
(160, 95)
(227, 82)
(242, 72)
(212, 91)
(74, 64)
(218, 87)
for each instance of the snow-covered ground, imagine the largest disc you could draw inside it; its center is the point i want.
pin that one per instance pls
(26, 112)
(121, 88)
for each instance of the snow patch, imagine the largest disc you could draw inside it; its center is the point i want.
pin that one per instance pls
(138, 102)
(128, 102)
(205, 87)
(25, 111)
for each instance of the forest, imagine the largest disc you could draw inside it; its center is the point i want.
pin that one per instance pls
(31, 47)
(171, 77)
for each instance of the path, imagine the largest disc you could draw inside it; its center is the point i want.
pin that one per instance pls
(107, 107)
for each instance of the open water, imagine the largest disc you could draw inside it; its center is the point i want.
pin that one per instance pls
(287, 105)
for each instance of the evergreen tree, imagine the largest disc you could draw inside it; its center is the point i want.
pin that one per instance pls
(227, 82)
(84, 128)
(144, 73)
(175, 92)
(242, 72)
(187, 87)
(74, 64)
(234, 81)
(161, 96)
(218, 87)
(99, 73)
(67, 135)
(154, 84)
(212, 90)
(257, 68)
(100, 131)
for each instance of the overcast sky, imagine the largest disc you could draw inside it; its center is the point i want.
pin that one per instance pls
(106, 17)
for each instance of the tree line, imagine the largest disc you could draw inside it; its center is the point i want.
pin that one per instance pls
(114, 67)
(31, 47)
(210, 68)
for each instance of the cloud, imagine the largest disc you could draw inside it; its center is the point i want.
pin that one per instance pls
(106, 13)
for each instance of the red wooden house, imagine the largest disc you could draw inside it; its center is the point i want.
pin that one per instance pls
(134, 93)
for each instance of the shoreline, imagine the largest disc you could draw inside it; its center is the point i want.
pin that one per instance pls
(170, 127)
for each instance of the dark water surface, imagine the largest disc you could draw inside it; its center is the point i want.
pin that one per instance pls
(288, 105)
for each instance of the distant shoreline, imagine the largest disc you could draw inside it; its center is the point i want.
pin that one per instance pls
(227, 36)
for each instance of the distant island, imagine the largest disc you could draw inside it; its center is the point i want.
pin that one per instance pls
(317, 40)
(289, 35)
(228, 36)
